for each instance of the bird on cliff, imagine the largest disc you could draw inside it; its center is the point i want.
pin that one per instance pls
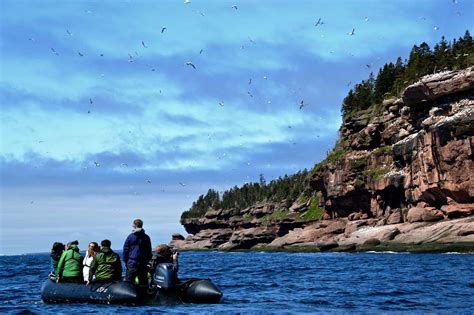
(189, 63)
(352, 32)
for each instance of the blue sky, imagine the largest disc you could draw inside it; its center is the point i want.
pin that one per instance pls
(103, 121)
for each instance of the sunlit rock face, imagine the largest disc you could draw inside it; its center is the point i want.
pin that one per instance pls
(405, 167)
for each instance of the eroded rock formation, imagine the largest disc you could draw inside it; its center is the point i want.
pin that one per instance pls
(401, 172)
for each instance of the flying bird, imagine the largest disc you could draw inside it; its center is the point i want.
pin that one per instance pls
(80, 54)
(221, 103)
(302, 104)
(90, 101)
(69, 33)
(54, 51)
(200, 52)
(163, 29)
(250, 94)
(189, 63)
(182, 184)
(143, 44)
(97, 164)
(250, 81)
(235, 7)
(148, 181)
(352, 32)
(319, 22)
(187, 1)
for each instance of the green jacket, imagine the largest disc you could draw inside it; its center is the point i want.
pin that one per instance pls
(105, 266)
(70, 263)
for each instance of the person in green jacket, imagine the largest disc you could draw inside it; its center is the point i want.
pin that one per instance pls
(106, 265)
(70, 264)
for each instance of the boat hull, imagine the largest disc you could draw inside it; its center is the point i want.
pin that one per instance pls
(197, 291)
(117, 292)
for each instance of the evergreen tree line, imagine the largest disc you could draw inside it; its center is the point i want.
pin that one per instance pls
(284, 189)
(392, 78)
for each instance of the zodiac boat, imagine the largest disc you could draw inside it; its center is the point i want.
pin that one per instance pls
(165, 289)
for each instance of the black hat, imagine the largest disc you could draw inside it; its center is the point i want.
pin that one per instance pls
(57, 246)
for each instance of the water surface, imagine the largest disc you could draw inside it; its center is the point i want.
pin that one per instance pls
(283, 283)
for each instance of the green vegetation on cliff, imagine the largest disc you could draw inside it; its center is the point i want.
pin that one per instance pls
(282, 190)
(392, 78)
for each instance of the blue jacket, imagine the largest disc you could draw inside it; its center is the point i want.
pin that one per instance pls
(137, 249)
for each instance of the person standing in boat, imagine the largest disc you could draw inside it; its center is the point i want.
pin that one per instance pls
(90, 254)
(70, 264)
(137, 253)
(163, 254)
(106, 265)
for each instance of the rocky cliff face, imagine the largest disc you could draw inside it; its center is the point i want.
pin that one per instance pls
(401, 172)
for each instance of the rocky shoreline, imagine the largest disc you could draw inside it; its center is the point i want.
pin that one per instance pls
(401, 178)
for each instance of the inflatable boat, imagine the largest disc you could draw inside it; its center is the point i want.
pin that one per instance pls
(165, 288)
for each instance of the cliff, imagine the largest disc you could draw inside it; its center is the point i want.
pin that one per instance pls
(401, 173)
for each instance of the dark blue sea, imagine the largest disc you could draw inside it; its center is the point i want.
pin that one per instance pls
(282, 283)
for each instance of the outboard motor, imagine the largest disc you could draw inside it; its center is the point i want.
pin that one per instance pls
(165, 276)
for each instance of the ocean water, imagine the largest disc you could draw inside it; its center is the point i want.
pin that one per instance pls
(282, 283)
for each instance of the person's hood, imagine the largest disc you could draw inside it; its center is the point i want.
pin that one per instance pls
(105, 250)
(138, 231)
(74, 247)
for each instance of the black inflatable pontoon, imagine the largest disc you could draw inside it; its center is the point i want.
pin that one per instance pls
(165, 289)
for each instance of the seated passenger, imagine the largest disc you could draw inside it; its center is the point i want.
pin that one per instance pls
(56, 251)
(90, 254)
(163, 254)
(106, 265)
(70, 264)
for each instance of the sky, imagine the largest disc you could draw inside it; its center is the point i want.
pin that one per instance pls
(116, 110)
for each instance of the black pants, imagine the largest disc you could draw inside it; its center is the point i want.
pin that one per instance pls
(140, 272)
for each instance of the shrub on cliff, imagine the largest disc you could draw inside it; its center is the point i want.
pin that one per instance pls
(392, 78)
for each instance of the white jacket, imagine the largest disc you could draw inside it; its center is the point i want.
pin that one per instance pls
(87, 265)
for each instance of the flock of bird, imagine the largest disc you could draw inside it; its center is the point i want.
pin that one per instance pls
(131, 58)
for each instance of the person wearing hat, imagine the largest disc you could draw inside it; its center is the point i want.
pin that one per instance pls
(70, 264)
(56, 252)
(163, 254)
(137, 253)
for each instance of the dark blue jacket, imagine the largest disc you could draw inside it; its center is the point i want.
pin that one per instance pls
(137, 249)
